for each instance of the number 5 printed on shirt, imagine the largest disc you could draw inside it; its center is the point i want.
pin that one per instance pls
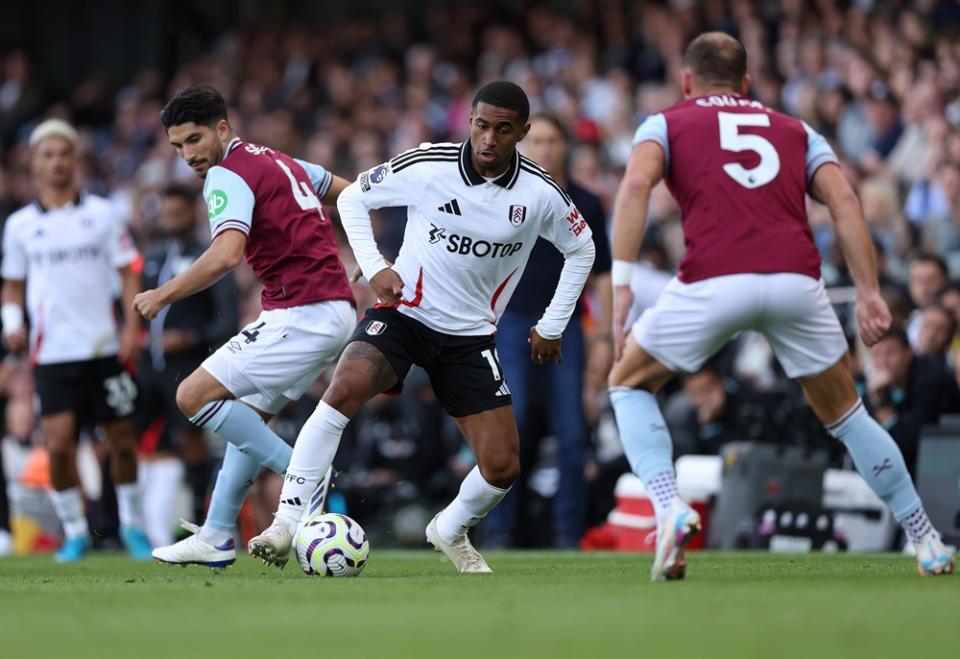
(731, 139)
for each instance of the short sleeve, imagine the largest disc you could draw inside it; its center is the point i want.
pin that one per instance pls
(819, 152)
(122, 250)
(563, 225)
(229, 200)
(14, 254)
(654, 129)
(320, 178)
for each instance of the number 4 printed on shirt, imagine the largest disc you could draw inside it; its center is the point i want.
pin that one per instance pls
(731, 139)
(303, 193)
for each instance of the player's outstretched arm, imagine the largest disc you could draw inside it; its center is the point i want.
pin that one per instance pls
(644, 171)
(223, 255)
(831, 187)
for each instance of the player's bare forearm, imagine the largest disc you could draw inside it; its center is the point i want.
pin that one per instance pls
(130, 287)
(14, 292)
(830, 186)
(604, 293)
(225, 254)
(644, 171)
(213, 264)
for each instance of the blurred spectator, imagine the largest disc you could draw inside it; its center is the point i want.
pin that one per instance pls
(907, 391)
(712, 411)
(19, 97)
(928, 276)
(938, 326)
(562, 384)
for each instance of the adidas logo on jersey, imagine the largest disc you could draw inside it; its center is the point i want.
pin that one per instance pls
(451, 207)
(504, 390)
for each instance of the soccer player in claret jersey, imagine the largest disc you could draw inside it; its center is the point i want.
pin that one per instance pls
(474, 212)
(740, 171)
(266, 205)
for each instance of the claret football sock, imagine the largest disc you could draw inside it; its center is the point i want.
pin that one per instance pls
(69, 507)
(647, 444)
(880, 462)
(313, 454)
(242, 427)
(476, 498)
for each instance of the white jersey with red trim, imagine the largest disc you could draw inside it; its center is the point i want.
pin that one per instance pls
(69, 257)
(467, 238)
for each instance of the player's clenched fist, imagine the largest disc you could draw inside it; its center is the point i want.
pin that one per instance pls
(388, 286)
(148, 304)
(873, 318)
(544, 351)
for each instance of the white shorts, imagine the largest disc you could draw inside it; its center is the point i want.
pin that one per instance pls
(274, 359)
(691, 322)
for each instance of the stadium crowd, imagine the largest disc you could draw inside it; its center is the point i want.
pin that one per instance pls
(881, 80)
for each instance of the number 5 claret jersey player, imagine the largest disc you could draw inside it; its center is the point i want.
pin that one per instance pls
(740, 172)
(266, 206)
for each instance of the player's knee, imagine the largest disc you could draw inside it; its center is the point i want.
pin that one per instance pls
(501, 471)
(61, 448)
(345, 395)
(187, 399)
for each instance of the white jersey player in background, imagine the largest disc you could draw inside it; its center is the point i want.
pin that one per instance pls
(61, 255)
(474, 212)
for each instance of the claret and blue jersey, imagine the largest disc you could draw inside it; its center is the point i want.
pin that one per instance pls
(275, 200)
(742, 187)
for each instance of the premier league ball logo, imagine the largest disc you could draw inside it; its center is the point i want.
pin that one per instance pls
(379, 173)
(517, 215)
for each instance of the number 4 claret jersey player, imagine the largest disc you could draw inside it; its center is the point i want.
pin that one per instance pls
(740, 172)
(266, 205)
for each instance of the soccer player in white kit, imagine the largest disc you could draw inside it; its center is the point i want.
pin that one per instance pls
(61, 254)
(740, 172)
(474, 212)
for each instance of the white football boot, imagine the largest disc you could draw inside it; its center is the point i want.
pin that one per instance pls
(932, 557)
(461, 553)
(194, 551)
(274, 544)
(682, 523)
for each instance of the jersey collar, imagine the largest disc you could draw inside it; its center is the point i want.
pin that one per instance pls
(44, 209)
(470, 176)
(235, 142)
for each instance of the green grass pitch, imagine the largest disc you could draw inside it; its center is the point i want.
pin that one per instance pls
(543, 604)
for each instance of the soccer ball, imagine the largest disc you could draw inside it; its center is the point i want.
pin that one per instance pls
(331, 545)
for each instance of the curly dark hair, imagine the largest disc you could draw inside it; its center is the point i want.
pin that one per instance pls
(200, 104)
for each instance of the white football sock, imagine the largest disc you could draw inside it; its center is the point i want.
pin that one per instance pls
(313, 454)
(69, 506)
(476, 498)
(662, 490)
(160, 484)
(129, 505)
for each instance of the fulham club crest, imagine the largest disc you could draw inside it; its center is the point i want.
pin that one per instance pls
(376, 327)
(517, 215)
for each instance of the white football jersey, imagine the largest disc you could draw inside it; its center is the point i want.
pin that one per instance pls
(69, 258)
(467, 239)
